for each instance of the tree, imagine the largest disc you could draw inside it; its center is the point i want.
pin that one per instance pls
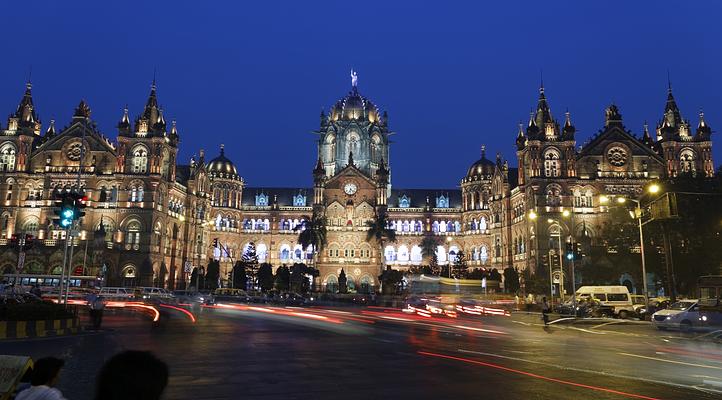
(213, 274)
(342, 288)
(250, 262)
(459, 266)
(379, 231)
(494, 275)
(429, 245)
(299, 277)
(265, 277)
(511, 280)
(283, 278)
(390, 280)
(239, 277)
(312, 232)
(194, 278)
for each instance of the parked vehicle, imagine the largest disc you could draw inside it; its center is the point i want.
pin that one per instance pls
(230, 295)
(153, 293)
(681, 315)
(617, 298)
(710, 300)
(191, 296)
(116, 293)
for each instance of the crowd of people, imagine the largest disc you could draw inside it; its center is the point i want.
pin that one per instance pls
(130, 375)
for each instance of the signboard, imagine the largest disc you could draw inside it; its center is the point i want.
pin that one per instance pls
(187, 267)
(21, 261)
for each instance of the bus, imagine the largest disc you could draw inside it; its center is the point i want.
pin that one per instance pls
(49, 282)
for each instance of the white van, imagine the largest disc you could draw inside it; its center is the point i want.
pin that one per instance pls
(119, 293)
(616, 297)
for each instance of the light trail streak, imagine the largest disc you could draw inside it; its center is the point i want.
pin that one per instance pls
(183, 310)
(536, 376)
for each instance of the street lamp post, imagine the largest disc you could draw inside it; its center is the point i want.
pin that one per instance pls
(653, 189)
(532, 217)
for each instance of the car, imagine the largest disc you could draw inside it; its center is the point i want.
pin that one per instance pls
(116, 293)
(230, 295)
(682, 315)
(191, 296)
(153, 293)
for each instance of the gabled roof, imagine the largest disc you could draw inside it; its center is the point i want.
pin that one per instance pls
(616, 132)
(80, 124)
(418, 197)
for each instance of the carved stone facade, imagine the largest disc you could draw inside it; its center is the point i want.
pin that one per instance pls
(148, 216)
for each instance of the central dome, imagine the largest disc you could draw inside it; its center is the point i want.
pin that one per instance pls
(481, 168)
(222, 167)
(354, 107)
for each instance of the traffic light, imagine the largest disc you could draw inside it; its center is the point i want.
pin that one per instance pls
(570, 250)
(65, 210)
(578, 251)
(215, 242)
(79, 204)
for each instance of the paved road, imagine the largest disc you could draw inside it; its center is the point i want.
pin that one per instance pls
(242, 352)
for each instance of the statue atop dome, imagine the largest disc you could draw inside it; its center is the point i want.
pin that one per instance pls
(354, 78)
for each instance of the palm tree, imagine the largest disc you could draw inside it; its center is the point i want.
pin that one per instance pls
(312, 232)
(380, 232)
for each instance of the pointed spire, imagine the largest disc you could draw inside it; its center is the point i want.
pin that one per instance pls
(25, 112)
(646, 137)
(483, 151)
(672, 116)
(567, 119)
(50, 132)
(101, 228)
(703, 130)
(223, 152)
(702, 122)
(173, 128)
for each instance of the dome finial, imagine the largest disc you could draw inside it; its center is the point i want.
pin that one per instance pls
(354, 78)
(483, 150)
(222, 149)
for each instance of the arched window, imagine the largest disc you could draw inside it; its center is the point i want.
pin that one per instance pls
(390, 253)
(403, 254)
(553, 196)
(482, 224)
(165, 164)
(262, 252)
(483, 255)
(404, 202)
(30, 226)
(285, 252)
(416, 255)
(686, 161)
(7, 157)
(133, 234)
(441, 254)
(551, 163)
(139, 162)
(331, 284)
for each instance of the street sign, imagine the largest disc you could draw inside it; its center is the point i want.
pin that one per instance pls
(187, 267)
(21, 261)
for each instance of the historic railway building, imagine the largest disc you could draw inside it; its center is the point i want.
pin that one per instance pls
(149, 215)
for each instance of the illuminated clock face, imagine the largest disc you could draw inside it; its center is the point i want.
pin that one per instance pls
(350, 188)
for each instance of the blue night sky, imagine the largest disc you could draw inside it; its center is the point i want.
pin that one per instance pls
(452, 75)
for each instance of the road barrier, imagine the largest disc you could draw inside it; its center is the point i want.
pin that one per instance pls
(32, 329)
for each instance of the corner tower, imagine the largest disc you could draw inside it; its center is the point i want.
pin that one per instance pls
(355, 126)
